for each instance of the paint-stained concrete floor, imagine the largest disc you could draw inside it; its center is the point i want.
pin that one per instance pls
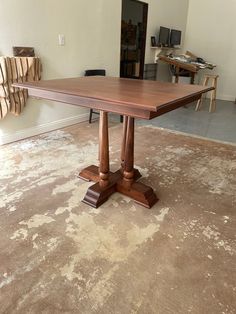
(58, 255)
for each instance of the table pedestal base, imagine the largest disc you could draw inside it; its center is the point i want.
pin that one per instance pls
(139, 192)
(97, 195)
(124, 179)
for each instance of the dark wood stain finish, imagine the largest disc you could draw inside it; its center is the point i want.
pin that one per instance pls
(131, 98)
(136, 98)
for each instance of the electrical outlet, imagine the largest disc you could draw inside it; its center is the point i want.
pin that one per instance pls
(61, 39)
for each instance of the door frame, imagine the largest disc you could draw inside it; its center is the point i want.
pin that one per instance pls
(143, 47)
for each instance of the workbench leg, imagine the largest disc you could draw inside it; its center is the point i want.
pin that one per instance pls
(177, 74)
(192, 77)
(199, 103)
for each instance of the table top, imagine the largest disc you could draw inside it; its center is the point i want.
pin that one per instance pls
(138, 98)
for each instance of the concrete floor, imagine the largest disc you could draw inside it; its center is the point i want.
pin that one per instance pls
(220, 125)
(60, 256)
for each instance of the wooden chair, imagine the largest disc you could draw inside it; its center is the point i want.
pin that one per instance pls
(212, 106)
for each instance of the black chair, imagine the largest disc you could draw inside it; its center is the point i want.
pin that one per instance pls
(97, 72)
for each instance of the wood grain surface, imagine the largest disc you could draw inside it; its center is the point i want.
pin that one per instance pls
(183, 65)
(137, 98)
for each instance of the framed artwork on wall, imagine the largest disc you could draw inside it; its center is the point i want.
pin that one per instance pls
(23, 52)
(153, 41)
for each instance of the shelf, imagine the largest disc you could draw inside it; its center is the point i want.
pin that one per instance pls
(165, 48)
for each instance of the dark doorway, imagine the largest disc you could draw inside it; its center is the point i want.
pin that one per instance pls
(133, 38)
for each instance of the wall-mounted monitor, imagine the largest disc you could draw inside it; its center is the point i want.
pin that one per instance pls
(164, 36)
(175, 37)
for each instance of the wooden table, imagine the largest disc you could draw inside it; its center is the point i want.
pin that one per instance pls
(131, 98)
(190, 67)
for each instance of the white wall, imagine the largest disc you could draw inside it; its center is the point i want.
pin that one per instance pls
(211, 29)
(92, 32)
(92, 35)
(169, 13)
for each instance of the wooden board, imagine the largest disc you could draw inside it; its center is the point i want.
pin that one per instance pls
(23, 52)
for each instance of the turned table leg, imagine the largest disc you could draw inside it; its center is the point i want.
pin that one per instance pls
(103, 150)
(123, 144)
(137, 174)
(124, 179)
(128, 173)
(98, 193)
(138, 191)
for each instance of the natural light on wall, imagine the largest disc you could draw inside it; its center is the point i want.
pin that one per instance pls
(1, 135)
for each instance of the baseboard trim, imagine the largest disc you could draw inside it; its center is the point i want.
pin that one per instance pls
(226, 97)
(39, 129)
